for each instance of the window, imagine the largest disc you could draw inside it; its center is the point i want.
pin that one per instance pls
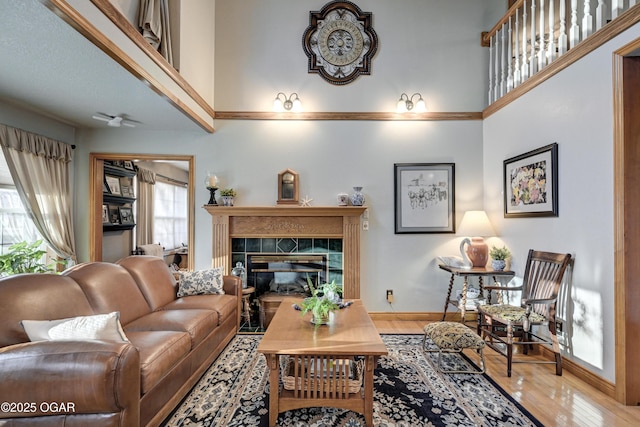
(15, 224)
(170, 215)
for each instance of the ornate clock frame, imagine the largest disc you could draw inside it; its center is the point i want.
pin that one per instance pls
(340, 42)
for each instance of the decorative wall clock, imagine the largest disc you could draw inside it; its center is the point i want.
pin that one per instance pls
(340, 42)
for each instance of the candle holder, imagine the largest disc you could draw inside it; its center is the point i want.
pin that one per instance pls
(211, 182)
(212, 195)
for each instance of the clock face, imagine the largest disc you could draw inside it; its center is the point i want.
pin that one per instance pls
(340, 42)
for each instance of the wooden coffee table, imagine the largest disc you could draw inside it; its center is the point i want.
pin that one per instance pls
(349, 335)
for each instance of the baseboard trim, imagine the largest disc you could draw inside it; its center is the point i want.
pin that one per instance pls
(418, 316)
(584, 374)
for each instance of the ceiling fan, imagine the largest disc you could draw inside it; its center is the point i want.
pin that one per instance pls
(115, 121)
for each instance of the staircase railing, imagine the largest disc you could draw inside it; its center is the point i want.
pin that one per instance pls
(535, 33)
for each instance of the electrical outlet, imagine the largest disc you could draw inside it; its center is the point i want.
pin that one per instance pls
(365, 225)
(390, 296)
(559, 326)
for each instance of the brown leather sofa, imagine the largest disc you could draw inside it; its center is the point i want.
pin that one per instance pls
(107, 383)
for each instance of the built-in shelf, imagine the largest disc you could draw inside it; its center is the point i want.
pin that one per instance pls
(117, 203)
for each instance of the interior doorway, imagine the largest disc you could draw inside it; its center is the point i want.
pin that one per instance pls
(626, 84)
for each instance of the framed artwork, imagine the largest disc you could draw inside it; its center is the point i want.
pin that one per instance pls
(424, 198)
(113, 182)
(125, 187)
(531, 183)
(114, 215)
(105, 214)
(105, 188)
(126, 215)
(128, 164)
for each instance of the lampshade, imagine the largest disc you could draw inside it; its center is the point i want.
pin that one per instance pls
(476, 223)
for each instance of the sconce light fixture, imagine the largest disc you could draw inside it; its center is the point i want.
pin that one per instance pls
(282, 104)
(405, 103)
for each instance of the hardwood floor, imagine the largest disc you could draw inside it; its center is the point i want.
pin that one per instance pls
(554, 401)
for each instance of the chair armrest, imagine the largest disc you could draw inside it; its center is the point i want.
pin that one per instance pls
(538, 301)
(89, 377)
(502, 288)
(232, 285)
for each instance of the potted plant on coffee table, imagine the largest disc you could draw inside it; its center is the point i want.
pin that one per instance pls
(499, 257)
(323, 300)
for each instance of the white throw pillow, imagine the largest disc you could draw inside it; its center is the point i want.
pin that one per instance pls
(98, 327)
(201, 282)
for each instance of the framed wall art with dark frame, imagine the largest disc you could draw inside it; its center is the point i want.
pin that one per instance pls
(424, 198)
(531, 183)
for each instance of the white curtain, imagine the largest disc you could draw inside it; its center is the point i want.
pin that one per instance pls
(145, 201)
(153, 21)
(40, 169)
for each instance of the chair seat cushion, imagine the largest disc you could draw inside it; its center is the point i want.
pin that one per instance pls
(509, 313)
(453, 336)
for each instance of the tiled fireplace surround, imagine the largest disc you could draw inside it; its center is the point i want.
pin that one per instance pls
(281, 229)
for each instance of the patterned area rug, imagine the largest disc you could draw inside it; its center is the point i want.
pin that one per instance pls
(409, 391)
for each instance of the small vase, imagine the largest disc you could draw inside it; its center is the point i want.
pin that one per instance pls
(498, 264)
(227, 200)
(357, 198)
(322, 320)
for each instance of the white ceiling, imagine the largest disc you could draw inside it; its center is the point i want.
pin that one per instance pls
(48, 67)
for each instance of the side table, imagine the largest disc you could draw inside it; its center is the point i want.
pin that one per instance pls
(480, 273)
(246, 303)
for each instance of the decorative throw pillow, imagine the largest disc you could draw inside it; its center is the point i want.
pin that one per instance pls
(98, 327)
(201, 282)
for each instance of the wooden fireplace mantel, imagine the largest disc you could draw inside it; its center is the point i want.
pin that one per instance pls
(341, 222)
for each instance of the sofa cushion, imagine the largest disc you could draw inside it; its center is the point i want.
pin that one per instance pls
(37, 296)
(154, 278)
(197, 323)
(201, 282)
(110, 287)
(160, 351)
(224, 305)
(97, 327)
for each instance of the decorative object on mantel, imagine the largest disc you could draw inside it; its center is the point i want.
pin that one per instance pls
(499, 257)
(343, 199)
(340, 42)
(288, 187)
(357, 198)
(306, 202)
(211, 182)
(227, 194)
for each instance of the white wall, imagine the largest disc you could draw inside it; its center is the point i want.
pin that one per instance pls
(574, 109)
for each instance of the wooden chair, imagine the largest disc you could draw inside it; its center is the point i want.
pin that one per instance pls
(502, 326)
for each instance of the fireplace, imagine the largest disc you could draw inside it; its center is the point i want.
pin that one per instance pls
(330, 224)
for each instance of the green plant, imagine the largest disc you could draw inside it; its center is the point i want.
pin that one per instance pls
(24, 257)
(228, 192)
(499, 253)
(319, 303)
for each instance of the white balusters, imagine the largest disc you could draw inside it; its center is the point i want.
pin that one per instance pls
(574, 31)
(509, 59)
(491, 77)
(617, 7)
(562, 37)
(533, 65)
(525, 62)
(519, 48)
(587, 20)
(601, 14)
(516, 65)
(551, 44)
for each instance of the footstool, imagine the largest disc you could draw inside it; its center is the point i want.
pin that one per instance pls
(453, 337)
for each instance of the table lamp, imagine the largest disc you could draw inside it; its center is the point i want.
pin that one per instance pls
(476, 224)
